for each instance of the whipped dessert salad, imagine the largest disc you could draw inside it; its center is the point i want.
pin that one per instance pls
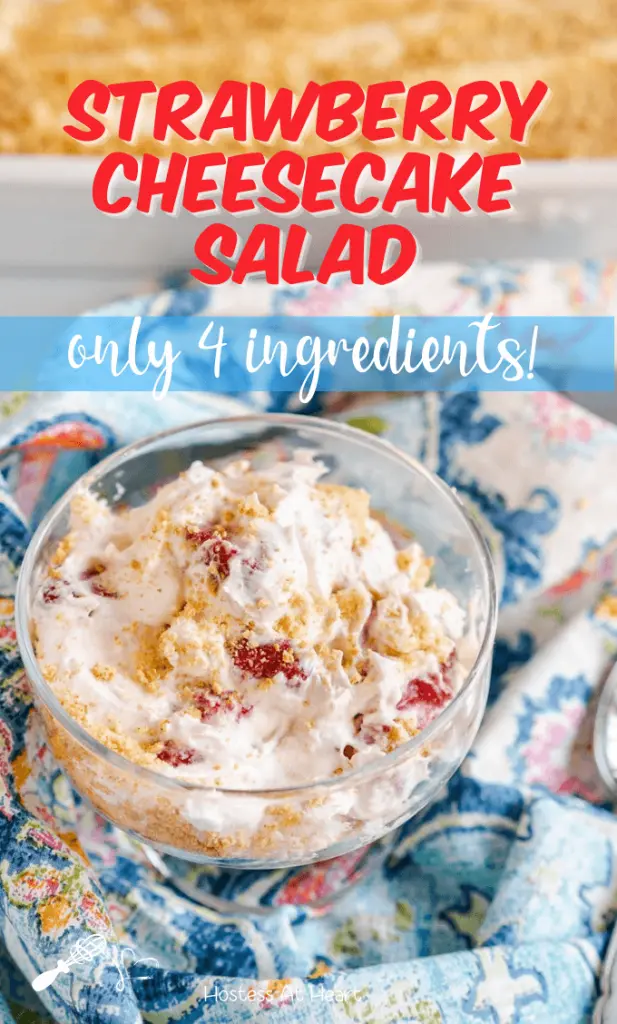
(245, 629)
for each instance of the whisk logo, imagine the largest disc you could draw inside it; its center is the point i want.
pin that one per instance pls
(82, 952)
(86, 950)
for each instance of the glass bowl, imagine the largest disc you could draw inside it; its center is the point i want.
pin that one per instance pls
(335, 817)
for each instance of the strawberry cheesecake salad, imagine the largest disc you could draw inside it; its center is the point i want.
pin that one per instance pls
(245, 630)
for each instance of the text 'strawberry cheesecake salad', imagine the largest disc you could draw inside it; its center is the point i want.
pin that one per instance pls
(245, 629)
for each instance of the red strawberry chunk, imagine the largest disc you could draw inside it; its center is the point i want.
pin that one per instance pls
(266, 660)
(97, 587)
(434, 691)
(103, 591)
(220, 553)
(94, 570)
(252, 564)
(373, 733)
(198, 537)
(228, 702)
(175, 756)
(216, 550)
(51, 593)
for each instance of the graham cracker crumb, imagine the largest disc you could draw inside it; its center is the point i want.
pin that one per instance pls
(252, 508)
(423, 565)
(103, 672)
(284, 625)
(150, 663)
(63, 549)
(84, 506)
(407, 726)
(353, 501)
(352, 606)
(285, 814)
(395, 738)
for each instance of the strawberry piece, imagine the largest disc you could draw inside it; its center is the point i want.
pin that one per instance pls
(373, 733)
(51, 594)
(220, 553)
(252, 564)
(175, 756)
(217, 551)
(198, 537)
(94, 570)
(97, 587)
(434, 691)
(210, 705)
(102, 591)
(266, 660)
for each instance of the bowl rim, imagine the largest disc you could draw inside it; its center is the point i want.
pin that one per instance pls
(45, 693)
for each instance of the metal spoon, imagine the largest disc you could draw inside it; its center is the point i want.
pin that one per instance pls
(607, 708)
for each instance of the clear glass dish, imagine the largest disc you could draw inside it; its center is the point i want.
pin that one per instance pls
(335, 817)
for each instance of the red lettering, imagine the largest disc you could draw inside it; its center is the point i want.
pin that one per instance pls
(293, 253)
(226, 239)
(381, 238)
(93, 129)
(271, 180)
(468, 117)
(336, 122)
(490, 183)
(102, 181)
(523, 112)
(168, 188)
(216, 120)
(268, 238)
(235, 183)
(375, 111)
(448, 183)
(169, 118)
(417, 117)
(195, 184)
(315, 183)
(281, 115)
(131, 94)
(347, 236)
(400, 191)
(351, 178)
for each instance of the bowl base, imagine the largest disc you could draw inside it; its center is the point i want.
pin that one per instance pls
(313, 888)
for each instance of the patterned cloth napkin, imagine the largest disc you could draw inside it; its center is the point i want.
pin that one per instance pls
(498, 903)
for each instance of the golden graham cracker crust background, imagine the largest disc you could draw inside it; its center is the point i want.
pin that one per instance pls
(48, 46)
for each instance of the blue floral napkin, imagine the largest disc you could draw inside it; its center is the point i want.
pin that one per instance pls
(496, 906)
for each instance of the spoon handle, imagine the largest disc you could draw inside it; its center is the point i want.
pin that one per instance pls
(602, 733)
